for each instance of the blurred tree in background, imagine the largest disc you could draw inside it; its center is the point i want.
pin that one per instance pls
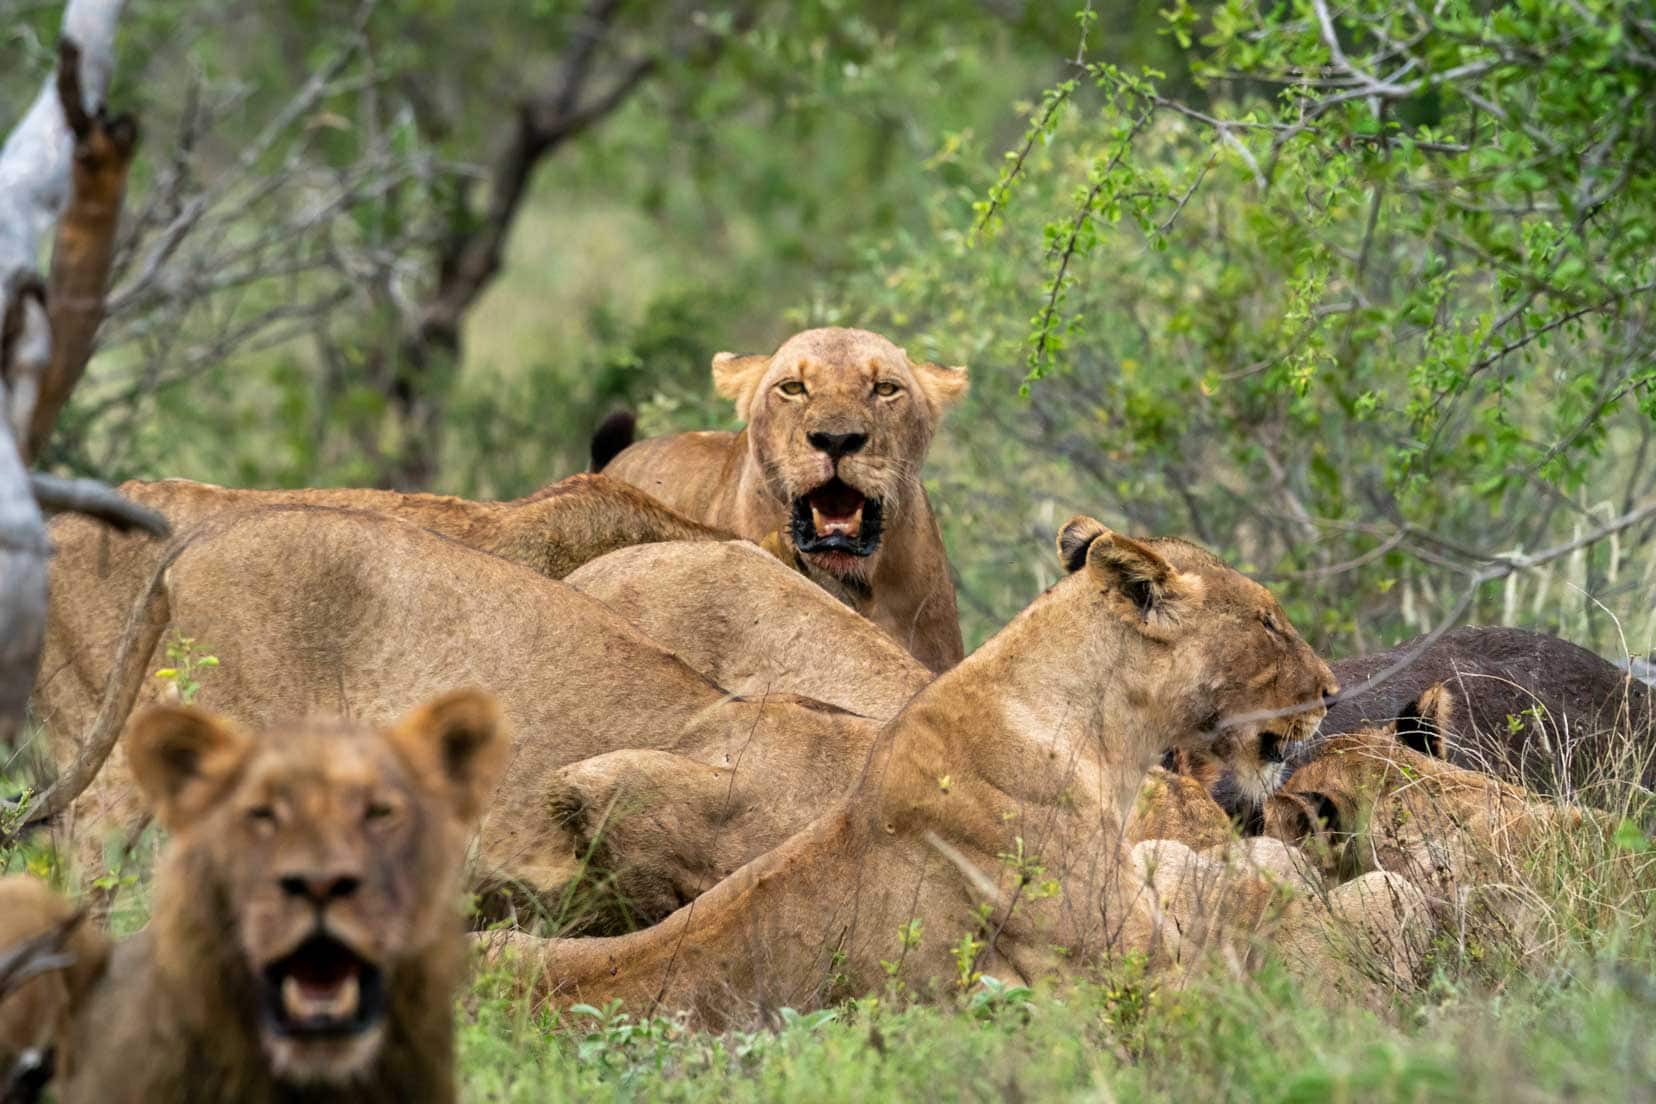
(1356, 293)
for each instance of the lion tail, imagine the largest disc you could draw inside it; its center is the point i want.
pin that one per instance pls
(614, 434)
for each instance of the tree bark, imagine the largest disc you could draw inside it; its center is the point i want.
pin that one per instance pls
(429, 352)
(34, 184)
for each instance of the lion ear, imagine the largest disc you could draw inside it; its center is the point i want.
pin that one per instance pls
(184, 760)
(1297, 816)
(1130, 571)
(737, 377)
(1075, 538)
(941, 384)
(458, 747)
(1424, 724)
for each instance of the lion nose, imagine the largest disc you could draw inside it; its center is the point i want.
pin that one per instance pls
(837, 445)
(320, 889)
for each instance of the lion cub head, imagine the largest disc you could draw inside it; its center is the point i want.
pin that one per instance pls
(1252, 690)
(839, 422)
(308, 895)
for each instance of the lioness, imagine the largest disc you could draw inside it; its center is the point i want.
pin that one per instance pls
(305, 942)
(315, 608)
(990, 815)
(838, 423)
(1386, 799)
(1523, 706)
(733, 613)
(96, 574)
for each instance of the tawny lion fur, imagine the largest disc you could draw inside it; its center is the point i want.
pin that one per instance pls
(325, 832)
(1369, 801)
(994, 806)
(263, 590)
(828, 384)
(726, 609)
(96, 573)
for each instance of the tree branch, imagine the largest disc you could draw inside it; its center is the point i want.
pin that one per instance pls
(57, 495)
(85, 244)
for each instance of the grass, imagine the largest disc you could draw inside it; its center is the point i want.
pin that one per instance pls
(1581, 1034)
(1561, 1011)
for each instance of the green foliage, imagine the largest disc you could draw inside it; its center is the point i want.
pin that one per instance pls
(1355, 322)
(187, 662)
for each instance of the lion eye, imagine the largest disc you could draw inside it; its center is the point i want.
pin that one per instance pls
(885, 389)
(791, 387)
(262, 815)
(378, 810)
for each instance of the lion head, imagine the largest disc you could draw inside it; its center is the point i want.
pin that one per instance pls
(308, 894)
(838, 422)
(1251, 692)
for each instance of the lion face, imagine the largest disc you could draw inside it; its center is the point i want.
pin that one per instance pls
(1228, 669)
(838, 423)
(327, 855)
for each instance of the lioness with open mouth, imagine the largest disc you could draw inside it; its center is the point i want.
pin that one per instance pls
(838, 423)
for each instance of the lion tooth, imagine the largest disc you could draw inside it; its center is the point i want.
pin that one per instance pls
(816, 520)
(336, 1003)
(346, 997)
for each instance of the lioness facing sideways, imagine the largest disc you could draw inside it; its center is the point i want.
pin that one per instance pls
(838, 423)
(992, 808)
(312, 608)
(306, 941)
(96, 574)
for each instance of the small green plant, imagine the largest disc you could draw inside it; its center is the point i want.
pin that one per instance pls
(996, 1001)
(965, 954)
(187, 661)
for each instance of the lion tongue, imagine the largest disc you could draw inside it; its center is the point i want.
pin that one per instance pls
(321, 1000)
(850, 524)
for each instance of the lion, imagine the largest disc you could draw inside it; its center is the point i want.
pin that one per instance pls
(838, 424)
(305, 940)
(1523, 706)
(96, 574)
(647, 831)
(49, 960)
(986, 830)
(726, 609)
(309, 607)
(1387, 798)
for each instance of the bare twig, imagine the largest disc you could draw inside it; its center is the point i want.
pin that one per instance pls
(57, 495)
(145, 623)
(1499, 567)
(39, 954)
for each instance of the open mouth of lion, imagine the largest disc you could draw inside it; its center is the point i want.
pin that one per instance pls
(836, 519)
(323, 990)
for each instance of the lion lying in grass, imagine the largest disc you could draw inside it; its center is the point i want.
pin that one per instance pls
(265, 590)
(838, 424)
(96, 574)
(1388, 799)
(305, 942)
(726, 609)
(986, 832)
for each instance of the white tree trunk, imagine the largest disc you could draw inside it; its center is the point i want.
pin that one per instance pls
(34, 163)
(34, 185)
